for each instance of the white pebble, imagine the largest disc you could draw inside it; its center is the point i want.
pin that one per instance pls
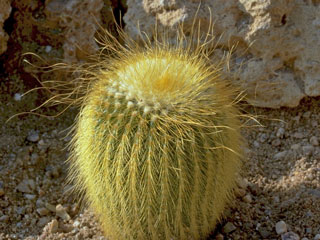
(281, 227)
(48, 48)
(17, 97)
(76, 224)
(317, 237)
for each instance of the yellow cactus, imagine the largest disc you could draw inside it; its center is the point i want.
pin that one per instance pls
(157, 142)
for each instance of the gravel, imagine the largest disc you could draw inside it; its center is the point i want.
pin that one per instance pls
(280, 181)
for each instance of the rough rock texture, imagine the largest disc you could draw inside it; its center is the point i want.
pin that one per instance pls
(80, 19)
(5, 10)
(278, 56)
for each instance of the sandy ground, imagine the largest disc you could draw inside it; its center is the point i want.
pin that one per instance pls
(281, 184)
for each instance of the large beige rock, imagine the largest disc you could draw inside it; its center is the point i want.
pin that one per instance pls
(80, 20)
(5, 10)
(278, 57)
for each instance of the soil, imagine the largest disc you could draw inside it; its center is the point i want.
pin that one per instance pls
(281, 181)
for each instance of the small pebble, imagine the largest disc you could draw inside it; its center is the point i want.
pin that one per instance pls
(309, 230)
(290, 236)
(247, 198)
(43, 211)
(298, 135)
(30, 196)
(308, 149)
(61, 212)
(33, 136)
(43, 221)
(219, 236)
(39, 203)
(53, 226)
(51, 207)
(4, 218)
(239, 192)
(276, 142)
(242, 183)
(295, 147)
(26, 186)
(229, 227)
(76, 224)
(66, 227)
(48, 48)
(317, 237)
(281, 227)
(280, 155)
(280, 132)
(314, 141)
(264, 232)
(17, 97)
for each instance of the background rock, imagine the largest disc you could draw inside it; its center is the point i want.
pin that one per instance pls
(5, 10)
(79, 19)
(277, 60)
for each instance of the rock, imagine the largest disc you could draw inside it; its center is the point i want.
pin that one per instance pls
(66, 227)
(1, 192)
(317, 237)
(30, 196)
(298, 135)
(33, 136)
(279, 67)
(295, 147)
(308, 230)
(48, 48)
(43, 211)
(26, 186)
(314, 141)
(53, 226)
(50, 207)
(219, 236)
(229, 227)
(4, 218)
(247, 198)
(307, 150)
(290, 236)
(280, 132)
(80, 20)
(43, 221)
(281, 227)
(242, 182)
(39, 203)
(280, 155)
(76, 224)
(61, 212)
(17, 97)
(239, 192)
(5, 10)
(264, 232)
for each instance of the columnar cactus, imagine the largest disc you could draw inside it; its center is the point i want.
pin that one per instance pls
(156, 146)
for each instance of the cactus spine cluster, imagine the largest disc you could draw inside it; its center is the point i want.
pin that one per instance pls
(156, 145)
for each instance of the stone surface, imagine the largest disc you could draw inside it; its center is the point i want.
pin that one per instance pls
(290, 236)
(79, 19)
(275, 62)
(281, 227)
(229, 227)
(5, 10)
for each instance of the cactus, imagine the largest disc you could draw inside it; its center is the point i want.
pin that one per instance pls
(156, 148)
